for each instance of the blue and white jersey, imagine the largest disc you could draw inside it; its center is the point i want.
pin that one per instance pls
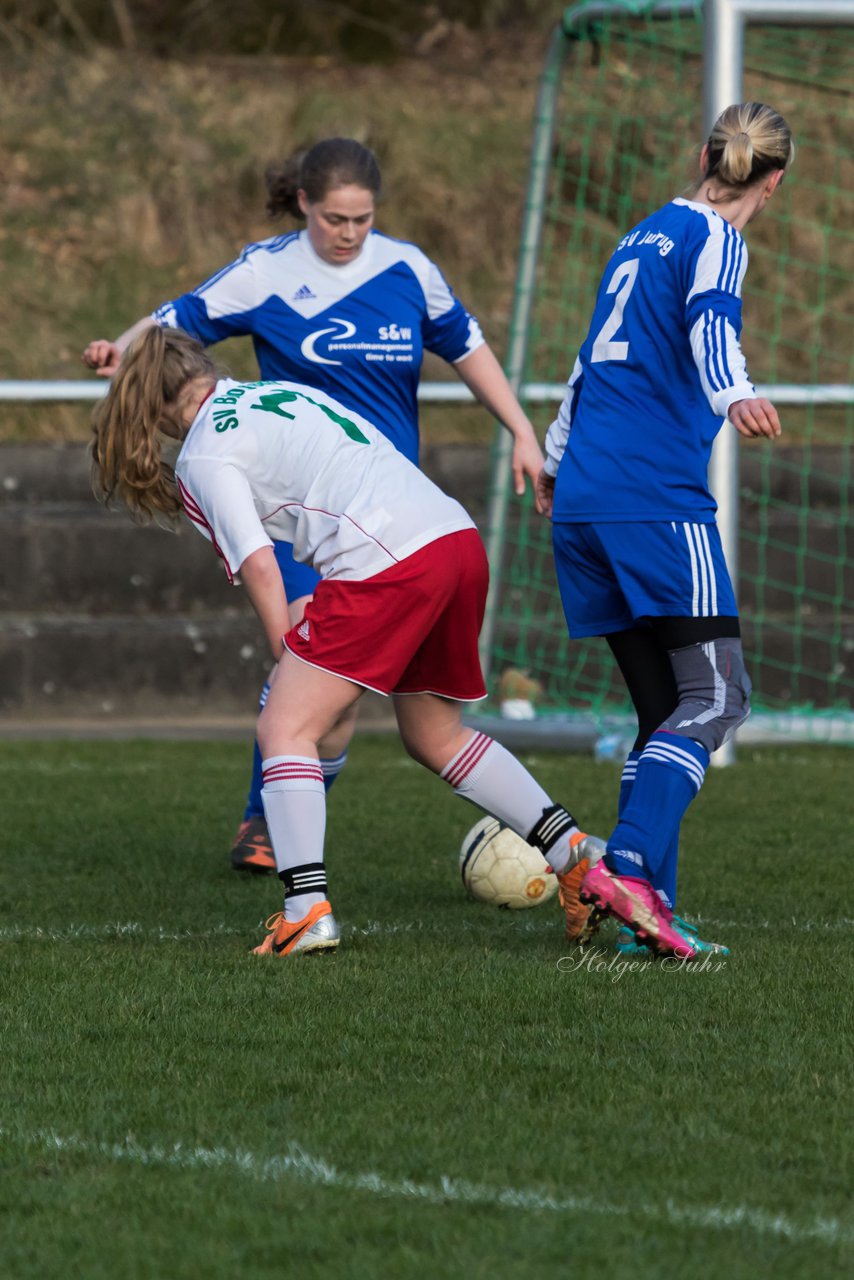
(657, 372)
(356, 331)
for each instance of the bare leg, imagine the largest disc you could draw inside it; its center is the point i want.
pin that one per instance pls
(430, 728)
(305, 706)
(485, 773)
(337, 740)
(251, 850)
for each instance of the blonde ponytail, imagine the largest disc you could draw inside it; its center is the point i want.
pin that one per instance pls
(748, 141)
(129, 423)
(736, 162)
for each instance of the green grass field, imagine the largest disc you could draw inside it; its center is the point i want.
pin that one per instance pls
(454, 1093)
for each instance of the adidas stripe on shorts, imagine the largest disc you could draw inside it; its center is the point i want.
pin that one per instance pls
(612, 575)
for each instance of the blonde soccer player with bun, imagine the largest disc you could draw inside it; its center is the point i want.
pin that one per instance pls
(398, 608)
(638, 554)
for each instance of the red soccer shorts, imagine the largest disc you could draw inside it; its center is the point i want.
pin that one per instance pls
(411, 629)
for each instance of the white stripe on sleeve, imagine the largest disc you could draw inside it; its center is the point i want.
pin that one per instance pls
(722, 261)
(557, 435)
(720, 362)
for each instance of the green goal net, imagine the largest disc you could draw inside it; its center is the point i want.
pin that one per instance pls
(628, 99)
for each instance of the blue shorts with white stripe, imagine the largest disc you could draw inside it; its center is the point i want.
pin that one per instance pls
(613, 575)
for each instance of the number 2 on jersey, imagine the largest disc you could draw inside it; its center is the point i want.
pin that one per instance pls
(621, 282)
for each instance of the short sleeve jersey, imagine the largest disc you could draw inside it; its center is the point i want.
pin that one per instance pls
(280, 461)
(356, 331)
(657, 372)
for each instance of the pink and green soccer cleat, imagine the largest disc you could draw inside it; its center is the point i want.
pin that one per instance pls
(628, 943)
(635, 903)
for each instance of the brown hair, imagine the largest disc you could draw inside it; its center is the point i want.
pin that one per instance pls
(748, 141)
(332, 163)
(129, 423)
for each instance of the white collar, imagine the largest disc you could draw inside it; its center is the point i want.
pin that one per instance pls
(347, 270)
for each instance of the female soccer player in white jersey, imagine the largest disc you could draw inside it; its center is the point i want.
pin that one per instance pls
(638, 554)
(350, 311)
(398, 608)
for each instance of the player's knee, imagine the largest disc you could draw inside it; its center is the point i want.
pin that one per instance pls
(714, 692)
(282, 734)
(415, 748)
(736, 711)
(420, 742)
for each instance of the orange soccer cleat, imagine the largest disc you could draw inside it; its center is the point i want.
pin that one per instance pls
(582, 921)
(317, 931)
(252, 850)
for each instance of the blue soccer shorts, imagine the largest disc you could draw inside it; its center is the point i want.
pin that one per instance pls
(611, 576)
(299, 579)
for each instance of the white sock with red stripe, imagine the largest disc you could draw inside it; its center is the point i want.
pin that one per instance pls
(487, 774)
(294, 799)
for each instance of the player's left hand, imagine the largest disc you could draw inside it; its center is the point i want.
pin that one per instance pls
(752, 418)
(527, 461)
(544, 492)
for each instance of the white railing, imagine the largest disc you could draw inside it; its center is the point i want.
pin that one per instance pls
(43, 392)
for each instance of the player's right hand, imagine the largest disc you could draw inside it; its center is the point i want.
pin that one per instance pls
(527, 461)
(102, 356)
(755, 417)
(544, 493)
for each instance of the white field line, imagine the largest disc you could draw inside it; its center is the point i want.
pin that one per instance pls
(158, 933)
(374, 928)
(113, 929)
(843, 925)
(301, 1166)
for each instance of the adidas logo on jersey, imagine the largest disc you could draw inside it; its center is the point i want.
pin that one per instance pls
(303, 294)
(303, 631)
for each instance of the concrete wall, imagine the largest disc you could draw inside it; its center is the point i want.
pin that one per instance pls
(103, 619)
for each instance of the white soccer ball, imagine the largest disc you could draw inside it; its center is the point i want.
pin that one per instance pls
(497, 866)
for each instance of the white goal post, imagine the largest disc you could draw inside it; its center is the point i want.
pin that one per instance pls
(723, 77)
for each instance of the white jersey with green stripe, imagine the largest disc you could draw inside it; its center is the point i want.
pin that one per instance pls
(281, 461)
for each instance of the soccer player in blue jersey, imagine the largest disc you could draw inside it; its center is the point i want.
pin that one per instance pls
(343, 308)
(638, 554)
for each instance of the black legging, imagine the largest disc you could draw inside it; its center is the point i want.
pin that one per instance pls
(642, 654)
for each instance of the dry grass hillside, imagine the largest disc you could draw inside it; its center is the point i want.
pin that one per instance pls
(128, 180)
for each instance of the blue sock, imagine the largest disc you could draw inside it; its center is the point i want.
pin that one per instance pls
(254, 805)
(331, 770)
(669, 774)
(627, 780)
(664, 880)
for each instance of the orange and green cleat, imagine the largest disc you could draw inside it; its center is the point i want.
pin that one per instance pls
(252, 850)
(317, 931)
